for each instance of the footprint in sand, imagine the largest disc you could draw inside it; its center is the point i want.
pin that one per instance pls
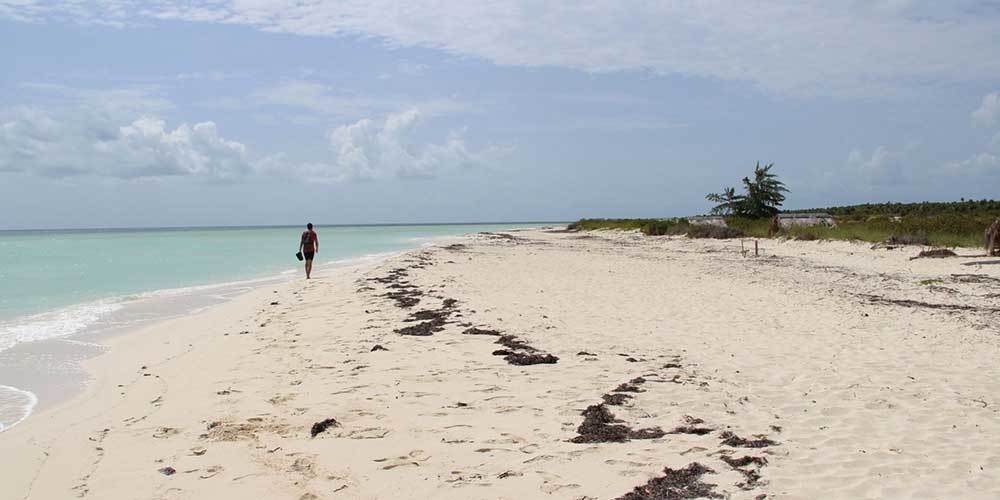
(281, 398)
(552, 487)
(460, 478)
(305, 466)
(211, 472)
(165, 432)
(366, 433)
(413, 458)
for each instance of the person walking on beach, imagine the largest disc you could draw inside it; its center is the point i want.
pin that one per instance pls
(309, 247)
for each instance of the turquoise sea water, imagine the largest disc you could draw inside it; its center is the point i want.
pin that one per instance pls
(44, 271)
(54, 284)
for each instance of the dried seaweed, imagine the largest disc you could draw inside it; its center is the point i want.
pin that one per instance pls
(676, 484)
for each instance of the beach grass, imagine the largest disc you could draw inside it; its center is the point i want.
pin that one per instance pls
(947, 230)
(958, 224)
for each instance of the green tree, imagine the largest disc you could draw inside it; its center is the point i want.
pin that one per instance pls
(763, 196)
(728, 201)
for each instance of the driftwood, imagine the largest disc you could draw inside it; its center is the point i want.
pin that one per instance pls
(993, 239)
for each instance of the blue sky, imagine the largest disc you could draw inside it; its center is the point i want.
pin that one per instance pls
(242, 112)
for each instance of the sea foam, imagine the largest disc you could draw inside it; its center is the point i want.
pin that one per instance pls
(15, 406)
(54, 324)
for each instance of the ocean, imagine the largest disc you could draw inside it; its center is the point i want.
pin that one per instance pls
(66, 285)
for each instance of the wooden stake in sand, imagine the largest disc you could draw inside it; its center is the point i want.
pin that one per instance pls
(993, 239)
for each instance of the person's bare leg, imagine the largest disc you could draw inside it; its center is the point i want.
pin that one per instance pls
(309, 268)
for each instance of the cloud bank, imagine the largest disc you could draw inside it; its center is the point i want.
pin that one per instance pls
(90, 140)
(372, 149)
(812, 47)
(87, 143)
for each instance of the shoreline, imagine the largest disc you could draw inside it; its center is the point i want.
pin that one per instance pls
(105, 340)
(61, 375)
(44, 371)
(830, 365)
(49, 372)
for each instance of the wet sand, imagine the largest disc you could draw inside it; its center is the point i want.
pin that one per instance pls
(538, 364)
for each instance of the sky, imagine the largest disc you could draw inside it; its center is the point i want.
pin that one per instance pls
(121, 113)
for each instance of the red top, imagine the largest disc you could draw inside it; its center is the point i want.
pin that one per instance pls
(309, 240)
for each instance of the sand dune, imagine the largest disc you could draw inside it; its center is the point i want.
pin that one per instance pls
(816, 370)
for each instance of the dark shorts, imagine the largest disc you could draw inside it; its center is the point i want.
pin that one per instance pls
(308, 255)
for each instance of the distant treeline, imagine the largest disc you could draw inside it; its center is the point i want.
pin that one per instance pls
(925, 208)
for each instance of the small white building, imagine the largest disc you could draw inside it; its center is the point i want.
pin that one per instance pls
(785, 220)
(805, 219)
(709, 220)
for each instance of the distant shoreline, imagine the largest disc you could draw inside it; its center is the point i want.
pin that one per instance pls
(110, 229)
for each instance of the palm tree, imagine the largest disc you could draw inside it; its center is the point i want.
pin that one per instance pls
(764, 193)
(727, 201)
(762, 199)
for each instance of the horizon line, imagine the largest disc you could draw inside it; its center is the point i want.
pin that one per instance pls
(276, 226)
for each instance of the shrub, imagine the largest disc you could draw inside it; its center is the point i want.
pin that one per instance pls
(915, 238)
(665, 227)
(936, 253)
(757, 228)
(716, 232)
(624, 224)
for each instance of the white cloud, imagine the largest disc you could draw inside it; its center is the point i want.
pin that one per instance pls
(372, 149)
(988, 113)
(112, 133)
(801, 47)
(86, 143)
(983, 165)
(117, 133)
(980, 165)
(884, 166)
(79, 143)
(145, 148)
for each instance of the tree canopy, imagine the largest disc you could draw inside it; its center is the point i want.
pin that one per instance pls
(763, 195)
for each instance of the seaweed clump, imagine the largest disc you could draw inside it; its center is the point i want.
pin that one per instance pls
(675, 484)
(748, 466)
(481, 331)
(600, 426)
(433, 320)
(424, 329)
(323, 425)
(616, 399)
(631, 385)
(521, 353)
(730, 439)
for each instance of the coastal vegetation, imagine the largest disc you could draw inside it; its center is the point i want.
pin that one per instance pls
(752, 214)
(960, 223)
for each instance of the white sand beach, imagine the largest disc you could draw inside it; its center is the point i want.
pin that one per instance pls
(841, 371)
